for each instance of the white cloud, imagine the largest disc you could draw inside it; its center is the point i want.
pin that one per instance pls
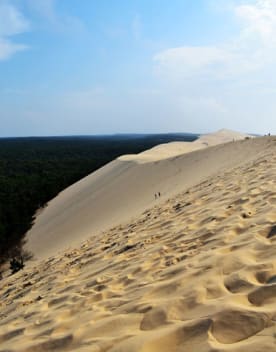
(187, 61)
(48, 14)
(7, 48)
(215, 62)
(228, 83)
(258, 19)
(12, 22)
(252, 50)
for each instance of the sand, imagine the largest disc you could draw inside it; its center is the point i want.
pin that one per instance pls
(124, 188)
(194, 272)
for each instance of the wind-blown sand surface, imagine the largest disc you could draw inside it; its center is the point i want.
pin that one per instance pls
(196, 272)
(124, 188)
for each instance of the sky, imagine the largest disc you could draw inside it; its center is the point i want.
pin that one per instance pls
(71, 67)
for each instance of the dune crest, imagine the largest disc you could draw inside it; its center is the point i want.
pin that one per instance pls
(126, 187)
(195, 272)
(168, 150)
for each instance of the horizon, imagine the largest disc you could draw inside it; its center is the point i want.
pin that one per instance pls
(135, 68)
(103, 135)
(125, 134)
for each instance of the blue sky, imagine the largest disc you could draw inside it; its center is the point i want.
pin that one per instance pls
(115, 66)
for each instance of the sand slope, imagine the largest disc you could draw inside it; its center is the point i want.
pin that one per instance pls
(194, 273)
(126, 187)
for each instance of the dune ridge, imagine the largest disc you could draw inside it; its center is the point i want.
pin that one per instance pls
(196, 272)
(172, 149)
(127, 186)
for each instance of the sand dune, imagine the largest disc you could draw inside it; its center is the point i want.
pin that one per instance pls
(196, 272)
(126, 187)
(168, 150)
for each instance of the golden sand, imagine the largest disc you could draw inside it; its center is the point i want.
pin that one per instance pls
(194, 273)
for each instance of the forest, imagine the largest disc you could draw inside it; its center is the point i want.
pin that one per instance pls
(33, 170)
